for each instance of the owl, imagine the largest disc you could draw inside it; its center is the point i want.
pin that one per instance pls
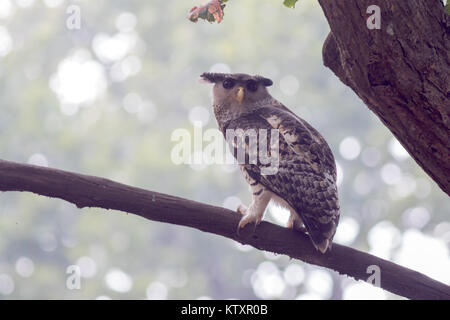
(304, 178)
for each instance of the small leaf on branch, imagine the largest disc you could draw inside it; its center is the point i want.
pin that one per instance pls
(211, 11)
(290, 3)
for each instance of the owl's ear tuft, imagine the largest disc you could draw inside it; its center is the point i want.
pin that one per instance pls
(210, 77)
(266, 82)
(205, 77)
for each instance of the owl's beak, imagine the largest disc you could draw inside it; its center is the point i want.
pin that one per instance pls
(240, 94)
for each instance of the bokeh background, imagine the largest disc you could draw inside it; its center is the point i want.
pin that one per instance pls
(104, 100)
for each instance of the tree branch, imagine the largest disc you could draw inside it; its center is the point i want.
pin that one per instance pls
(90, 191)
(401, 72)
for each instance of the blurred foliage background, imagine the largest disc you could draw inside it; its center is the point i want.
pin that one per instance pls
(104, 100)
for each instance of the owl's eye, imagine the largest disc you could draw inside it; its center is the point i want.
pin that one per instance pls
(252, 85)
(228, 83)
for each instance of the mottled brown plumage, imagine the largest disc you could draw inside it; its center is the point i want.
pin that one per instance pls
(305, 178)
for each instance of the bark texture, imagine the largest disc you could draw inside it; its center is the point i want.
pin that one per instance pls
(89, 191)
(401, 71)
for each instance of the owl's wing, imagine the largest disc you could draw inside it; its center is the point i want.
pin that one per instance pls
(306, 175)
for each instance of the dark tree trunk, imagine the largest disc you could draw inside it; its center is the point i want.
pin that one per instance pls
(401, 71)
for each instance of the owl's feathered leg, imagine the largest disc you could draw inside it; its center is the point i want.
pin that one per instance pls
(295, 222)
(255, 212)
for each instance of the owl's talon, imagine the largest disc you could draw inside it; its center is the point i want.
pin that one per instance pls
(246, 219)
(296, 227)
(239, 227)
(242, 209)
(295, 223)
(242, 223)
(256, 224)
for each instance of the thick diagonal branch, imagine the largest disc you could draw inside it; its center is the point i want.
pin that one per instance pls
(89, 191)
(401, 71)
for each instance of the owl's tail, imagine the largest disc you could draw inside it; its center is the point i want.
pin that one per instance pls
(322, 234)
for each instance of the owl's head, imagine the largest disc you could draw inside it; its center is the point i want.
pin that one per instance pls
(237, 90)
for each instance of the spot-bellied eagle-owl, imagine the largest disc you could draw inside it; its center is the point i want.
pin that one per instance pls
(304, 178)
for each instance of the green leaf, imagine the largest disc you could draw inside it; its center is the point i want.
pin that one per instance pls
(447, 7)
(290, 3)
